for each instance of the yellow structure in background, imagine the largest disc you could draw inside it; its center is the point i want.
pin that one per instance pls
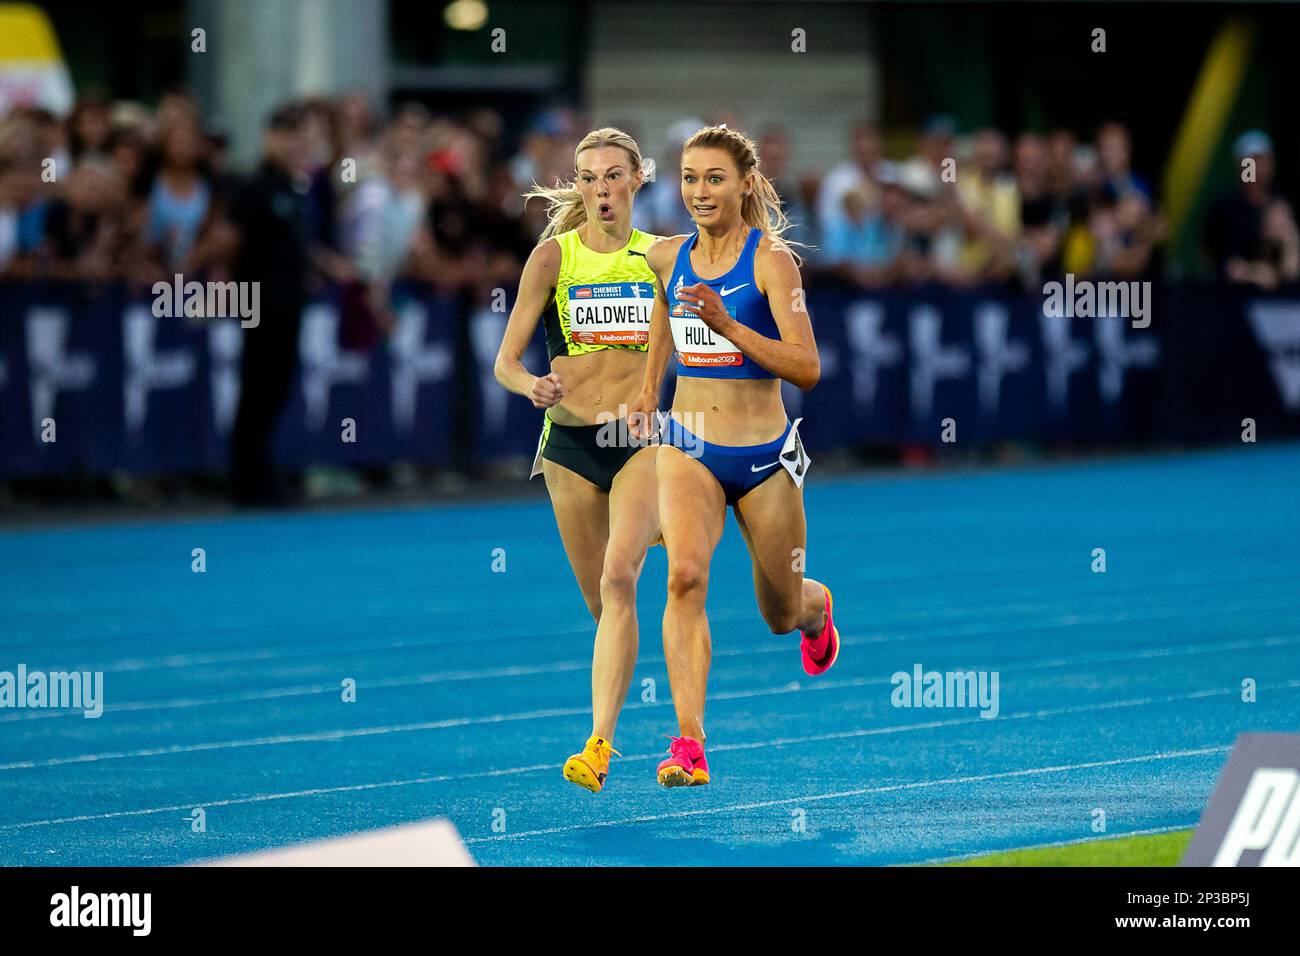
(32, 71)
(1206, 116)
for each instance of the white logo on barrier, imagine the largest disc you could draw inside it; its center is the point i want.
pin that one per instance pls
(1116, 355)
(931, 360)
(53, 368)
(414, 363)
(1268, 819)
(485, 331)
(1277, 328)
(324, 365)
(225, 345)
(147, 370)
(1065, 356)
(871, 349)
(999, 356)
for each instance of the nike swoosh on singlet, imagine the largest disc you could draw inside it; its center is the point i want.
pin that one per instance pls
(726, 291)
(771, 464)
(633, 252)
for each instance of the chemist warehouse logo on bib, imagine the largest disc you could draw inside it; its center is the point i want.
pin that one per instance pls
(613, 314)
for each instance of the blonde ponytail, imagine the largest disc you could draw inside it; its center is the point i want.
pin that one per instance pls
(564, 208)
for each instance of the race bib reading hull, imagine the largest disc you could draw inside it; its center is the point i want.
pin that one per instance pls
(698, 346)
(613, 313)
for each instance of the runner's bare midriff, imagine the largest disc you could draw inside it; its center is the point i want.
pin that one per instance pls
(730, 411)
(597, 382)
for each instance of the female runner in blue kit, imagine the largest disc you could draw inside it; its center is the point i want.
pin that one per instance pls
(729, 304)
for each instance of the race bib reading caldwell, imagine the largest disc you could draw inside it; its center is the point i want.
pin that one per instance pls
(698, 346)
(616, 313)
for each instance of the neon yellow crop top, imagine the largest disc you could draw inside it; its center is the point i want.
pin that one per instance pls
(602, 299)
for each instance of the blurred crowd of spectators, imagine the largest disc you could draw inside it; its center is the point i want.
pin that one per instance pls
(120, 192)
(985, 209)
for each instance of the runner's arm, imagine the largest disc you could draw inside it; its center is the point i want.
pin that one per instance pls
(793, 357)
(536, 284)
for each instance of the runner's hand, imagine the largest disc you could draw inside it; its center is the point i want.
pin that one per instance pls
(547, 390)
(707, 304)
(641, 416)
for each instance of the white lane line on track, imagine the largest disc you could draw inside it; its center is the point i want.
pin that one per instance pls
(492, 673)
(343, 734)
(267, 797)
(529, 670)
(1149, 831)
(752, 745)
(302, 690)
(862, 791)
(944, 630)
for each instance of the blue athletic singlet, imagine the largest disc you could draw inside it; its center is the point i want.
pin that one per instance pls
(702, 352)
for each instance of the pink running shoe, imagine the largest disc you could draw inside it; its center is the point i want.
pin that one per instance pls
(686, 767)
(820, 652)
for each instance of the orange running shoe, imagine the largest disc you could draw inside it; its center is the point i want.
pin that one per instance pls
(589, 768)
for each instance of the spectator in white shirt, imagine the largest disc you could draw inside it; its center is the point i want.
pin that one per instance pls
(857, 174)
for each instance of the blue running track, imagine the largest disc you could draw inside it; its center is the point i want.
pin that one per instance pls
(1119, 691)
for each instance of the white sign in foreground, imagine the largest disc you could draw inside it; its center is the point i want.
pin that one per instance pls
(1253, 817)
(431, 843)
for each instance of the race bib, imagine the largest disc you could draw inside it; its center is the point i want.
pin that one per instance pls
(614, 313)
(698, 346)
